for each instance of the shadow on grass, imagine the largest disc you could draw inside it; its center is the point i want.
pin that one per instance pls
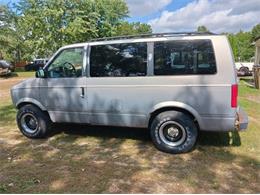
(109, 165)
(102, 131)
(142, 134)
(219, 138)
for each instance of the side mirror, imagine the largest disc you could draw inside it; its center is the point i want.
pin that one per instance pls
(40, 74)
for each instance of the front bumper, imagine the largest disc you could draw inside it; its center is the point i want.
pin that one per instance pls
(241, 120)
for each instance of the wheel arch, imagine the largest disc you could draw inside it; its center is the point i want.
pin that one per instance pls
(25, 101)
(177, 106)
(34, 102)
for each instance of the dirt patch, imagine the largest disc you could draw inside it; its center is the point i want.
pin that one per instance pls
(5, 86)
(253, 98)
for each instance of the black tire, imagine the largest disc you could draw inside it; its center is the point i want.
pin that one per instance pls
(173, 132)
(244, 71)
(33, 122)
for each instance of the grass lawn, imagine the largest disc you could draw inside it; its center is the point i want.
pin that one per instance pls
(85, 159)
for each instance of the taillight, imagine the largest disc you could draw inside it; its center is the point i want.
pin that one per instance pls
(234, 93)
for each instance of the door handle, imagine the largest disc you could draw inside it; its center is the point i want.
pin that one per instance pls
(82, 92)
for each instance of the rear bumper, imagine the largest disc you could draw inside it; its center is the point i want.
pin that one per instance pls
(241, 120)
(238, 122)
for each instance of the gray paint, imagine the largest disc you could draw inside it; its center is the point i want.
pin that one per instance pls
(129, 101)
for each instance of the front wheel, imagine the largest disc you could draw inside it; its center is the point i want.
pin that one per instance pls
(173, 132)
(33, 122)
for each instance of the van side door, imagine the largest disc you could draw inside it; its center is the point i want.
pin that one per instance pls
(116, 74)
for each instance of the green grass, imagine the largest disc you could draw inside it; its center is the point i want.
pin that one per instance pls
(245, 90)
(19, 74)
(3, 188)
(26, 74)
(19, 69)
(84, 159)
(7, 114)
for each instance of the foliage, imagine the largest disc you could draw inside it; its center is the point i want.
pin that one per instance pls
(37, 28)
(50, 24)
(134, 28)
(8, 40)
(241, 44)
(256, 32)
(202, 29)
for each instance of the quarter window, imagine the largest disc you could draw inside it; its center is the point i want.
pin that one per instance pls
(184, 57)
(118, 60)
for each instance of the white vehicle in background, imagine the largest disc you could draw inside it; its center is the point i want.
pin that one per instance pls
(244, 68)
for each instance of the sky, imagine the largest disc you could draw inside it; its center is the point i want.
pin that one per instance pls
(186, 15)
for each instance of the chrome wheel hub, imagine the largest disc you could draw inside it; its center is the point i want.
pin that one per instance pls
(29, 123)
(172, 133)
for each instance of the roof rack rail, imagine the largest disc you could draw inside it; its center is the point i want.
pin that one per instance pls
(152, 35)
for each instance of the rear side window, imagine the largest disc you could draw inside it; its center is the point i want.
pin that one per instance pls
(118, 60)
(184, 57)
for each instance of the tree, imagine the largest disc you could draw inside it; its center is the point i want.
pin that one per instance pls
(37, 28)
(134, 28)
(202, 29)
(241, 44)
(256, 32)
(10, 41)
(47, 25)
(3, 16)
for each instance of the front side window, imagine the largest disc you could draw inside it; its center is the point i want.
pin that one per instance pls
(118, 60)
(184, 57)
(68, 64)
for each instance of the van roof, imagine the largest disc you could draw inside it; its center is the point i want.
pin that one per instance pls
(153, 35)
(140, 36)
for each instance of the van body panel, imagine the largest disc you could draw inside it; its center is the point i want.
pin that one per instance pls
(141, 96)
(27, 91)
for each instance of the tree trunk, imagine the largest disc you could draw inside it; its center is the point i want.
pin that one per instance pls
(256, 70)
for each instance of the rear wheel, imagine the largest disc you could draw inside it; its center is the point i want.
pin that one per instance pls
(33, 122)
(173, 132)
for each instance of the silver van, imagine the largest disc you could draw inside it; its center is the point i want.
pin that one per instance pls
(174, 84)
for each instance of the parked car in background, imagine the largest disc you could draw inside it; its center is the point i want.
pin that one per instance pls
(35, 65)
(244, 68)
(173, 84)
(6, 68)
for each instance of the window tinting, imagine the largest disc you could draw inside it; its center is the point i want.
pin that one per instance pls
(184, 57)
(118, 60)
